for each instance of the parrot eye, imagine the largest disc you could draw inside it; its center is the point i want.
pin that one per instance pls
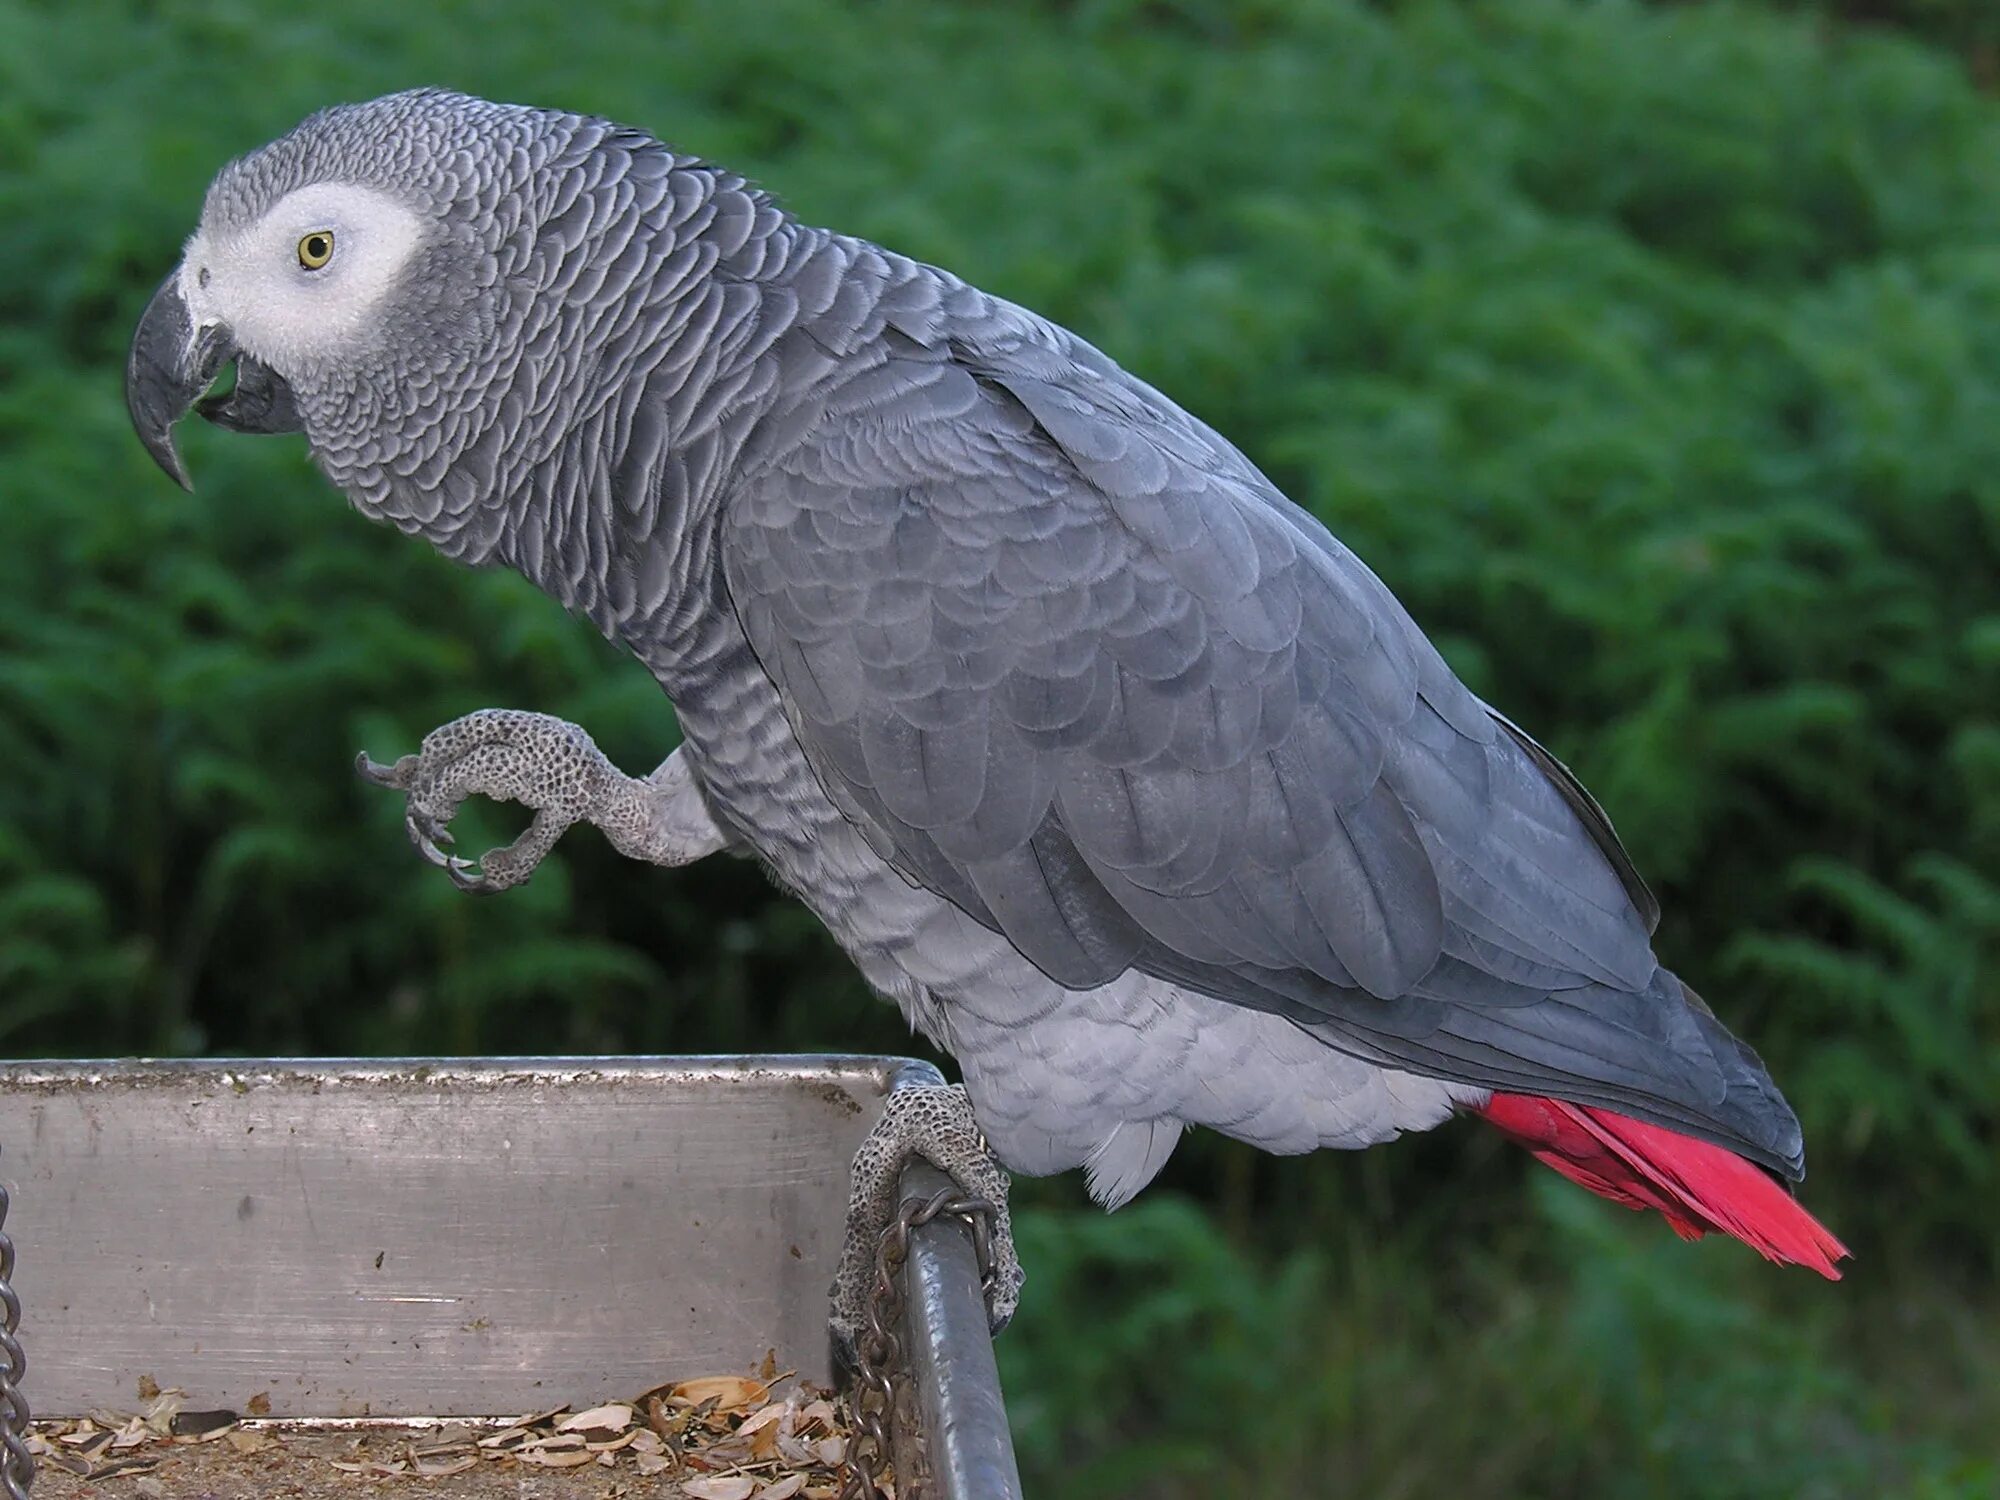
(316, 249)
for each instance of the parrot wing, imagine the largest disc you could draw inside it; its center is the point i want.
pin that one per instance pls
(1071, 661)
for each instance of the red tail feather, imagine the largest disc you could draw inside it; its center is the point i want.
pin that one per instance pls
(1699, 1187)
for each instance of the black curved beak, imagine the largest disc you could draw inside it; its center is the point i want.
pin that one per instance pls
(169, 366)
(173, 362)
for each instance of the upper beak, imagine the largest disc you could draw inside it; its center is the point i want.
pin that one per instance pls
(172, 362)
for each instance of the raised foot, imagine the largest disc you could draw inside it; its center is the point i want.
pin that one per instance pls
(934, 1123)
(542, 762)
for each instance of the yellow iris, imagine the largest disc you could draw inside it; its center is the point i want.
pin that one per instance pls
(316, 249)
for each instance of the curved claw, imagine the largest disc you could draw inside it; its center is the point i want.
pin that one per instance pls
(476, 882)
(421, 822)
(371, 769)
(425, 845)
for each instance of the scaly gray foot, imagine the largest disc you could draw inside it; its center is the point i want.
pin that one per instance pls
(936, 1124)
(553, 767)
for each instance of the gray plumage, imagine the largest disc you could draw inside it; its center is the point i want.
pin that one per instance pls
(1135, 788)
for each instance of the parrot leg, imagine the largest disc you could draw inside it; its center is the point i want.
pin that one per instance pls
(937, 1125)
(552, 766)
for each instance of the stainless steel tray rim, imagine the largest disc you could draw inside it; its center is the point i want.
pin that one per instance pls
(527, 1070)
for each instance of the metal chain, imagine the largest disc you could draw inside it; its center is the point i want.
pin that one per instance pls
(879, 1351)
(17, 1464)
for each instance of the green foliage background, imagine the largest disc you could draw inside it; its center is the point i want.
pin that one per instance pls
(1652, 353)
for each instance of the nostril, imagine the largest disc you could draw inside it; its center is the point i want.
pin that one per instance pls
(201, 277)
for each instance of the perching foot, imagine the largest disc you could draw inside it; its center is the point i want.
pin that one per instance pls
(936, 1124)
(553, 767)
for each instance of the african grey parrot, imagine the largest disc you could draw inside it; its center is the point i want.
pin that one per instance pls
(1136, 791)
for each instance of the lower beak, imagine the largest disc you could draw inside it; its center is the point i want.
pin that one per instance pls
(172, 362)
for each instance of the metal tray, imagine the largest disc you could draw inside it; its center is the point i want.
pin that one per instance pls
(389, 1239)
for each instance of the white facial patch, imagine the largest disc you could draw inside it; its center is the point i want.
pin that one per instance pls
(282, 311)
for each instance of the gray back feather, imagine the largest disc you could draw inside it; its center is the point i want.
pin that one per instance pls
(1074, 663)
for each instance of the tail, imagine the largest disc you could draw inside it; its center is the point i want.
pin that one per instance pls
(1699, 1187)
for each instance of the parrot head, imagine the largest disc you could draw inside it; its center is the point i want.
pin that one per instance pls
(355, 273)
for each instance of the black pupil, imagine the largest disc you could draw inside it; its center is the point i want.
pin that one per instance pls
(316, 247)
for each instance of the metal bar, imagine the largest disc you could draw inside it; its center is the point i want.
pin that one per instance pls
(965, 1444)
(17, 1464)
